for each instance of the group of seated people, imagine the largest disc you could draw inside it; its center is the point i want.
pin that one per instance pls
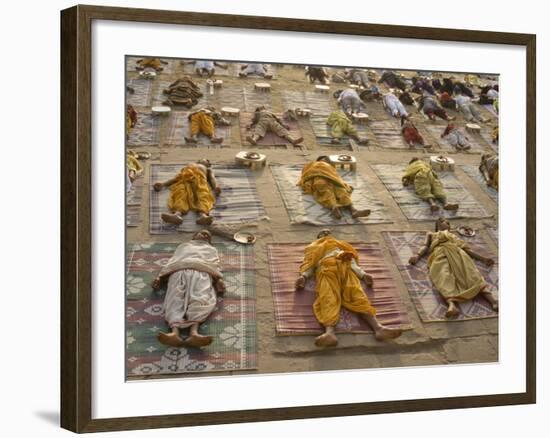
(193, 277)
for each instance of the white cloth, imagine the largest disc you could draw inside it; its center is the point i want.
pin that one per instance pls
(195, 254)
(190, 298)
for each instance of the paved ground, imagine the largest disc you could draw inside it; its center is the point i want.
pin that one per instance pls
(426, 344)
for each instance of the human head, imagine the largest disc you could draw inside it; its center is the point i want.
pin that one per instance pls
(324, 158)
(442, 224)
(203, 235)
(337, 93)
(324, 233)
(260, 108)
(413, 159)
(205, 162)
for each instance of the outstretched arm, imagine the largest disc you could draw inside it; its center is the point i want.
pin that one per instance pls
(160, 185)
(422, 251)
(476, 256)
(213, 182)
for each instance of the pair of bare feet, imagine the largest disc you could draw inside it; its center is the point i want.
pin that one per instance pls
(214, 140)
(254, 139)
(177, 218)
(449, 207)
(336, 213)
(382, 333)
(175, 340)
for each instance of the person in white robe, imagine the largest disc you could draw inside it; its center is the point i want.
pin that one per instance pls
(194, 279)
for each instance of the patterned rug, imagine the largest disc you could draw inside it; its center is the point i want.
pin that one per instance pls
(133, 203)
(474, 173)
(476, 142)
(303, 209)
(142, 92)
(233, 322)
(417, 210)
(238, 203)
(252, 99)
(270, 139)
(388, 134)
(429, 304)
(179, 129)
(146, 131)
(319, 103)
(322, 131)
(293, 310)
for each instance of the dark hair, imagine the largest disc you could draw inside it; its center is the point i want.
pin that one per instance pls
(439, 219)
(413, 159)
(323, 158)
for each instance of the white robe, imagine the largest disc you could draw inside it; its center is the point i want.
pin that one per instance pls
(190, 296)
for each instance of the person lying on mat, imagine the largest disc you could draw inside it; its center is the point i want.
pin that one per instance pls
(133, 169)
(317, 74)
(131, 119)
(193, 279)
(204, 121)
(194, 188)
(255, 69)
(341, 125)
(357, 76)
(205, 68)
(338, 277)
(392, 80)
(427, 185)
(489, 169)
(431, 108)
(349, 101)
(183, 91)
(154, 63)
(265, 121)
(456, 137)
(321, 180)
(452, 269)
(394, 106)
(469, 109)
(411, 134)
(371, 94)
(446, 100)
(488, 94)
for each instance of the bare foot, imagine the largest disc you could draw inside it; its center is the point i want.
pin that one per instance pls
(197, 341)
(385, 333)
(297, 141)
(251, 140)
(190, 140)
(336, 213)
(205, 220)
(216, 140)
(360, 213)
(171, 218)
(326, 340)
(450, 207)
(170, 339)
(268, 76)
(452, 311)
(335, 141)
(434, 208)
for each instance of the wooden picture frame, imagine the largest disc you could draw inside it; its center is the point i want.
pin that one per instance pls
(76, 218)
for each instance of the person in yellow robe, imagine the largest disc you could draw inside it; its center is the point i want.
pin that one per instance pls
(133, 169)
(427, 185)
(452, 269)
(334, 263)
(489, 169)
(321, 180)
(204, 122)
(194, 188)
(342, 125)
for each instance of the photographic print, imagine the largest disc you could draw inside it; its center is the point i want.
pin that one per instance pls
(287, 218)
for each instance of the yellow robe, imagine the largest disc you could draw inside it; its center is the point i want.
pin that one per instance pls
(321, 180)
(336, 283)
(132, 163)
(426, 183)
(452, 271)
(191, 192)
(202, 123)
